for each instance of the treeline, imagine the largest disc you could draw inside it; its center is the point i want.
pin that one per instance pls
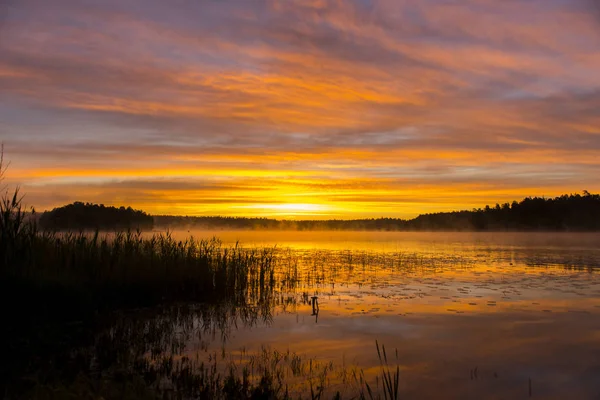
(564, 213)
(173, 221)
(88, 216)
(574, 212)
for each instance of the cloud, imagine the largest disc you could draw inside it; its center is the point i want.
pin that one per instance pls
(453, 95)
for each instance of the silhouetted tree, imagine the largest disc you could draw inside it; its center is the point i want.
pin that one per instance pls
(572, 212)
(88, 216)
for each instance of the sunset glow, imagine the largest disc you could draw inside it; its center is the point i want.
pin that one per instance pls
(299, 109)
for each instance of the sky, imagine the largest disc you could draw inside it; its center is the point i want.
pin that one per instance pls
(299, 109)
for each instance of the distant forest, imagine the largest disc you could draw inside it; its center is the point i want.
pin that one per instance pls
(573, 212)
(88, 216)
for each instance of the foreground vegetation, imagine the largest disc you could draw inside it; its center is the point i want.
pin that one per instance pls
(127, 269)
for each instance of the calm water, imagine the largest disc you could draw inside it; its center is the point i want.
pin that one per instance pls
(470, 315)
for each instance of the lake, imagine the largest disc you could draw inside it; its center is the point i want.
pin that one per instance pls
(461, 316)
(464, 315)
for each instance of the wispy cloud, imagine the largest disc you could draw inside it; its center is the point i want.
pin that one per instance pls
(354, 105)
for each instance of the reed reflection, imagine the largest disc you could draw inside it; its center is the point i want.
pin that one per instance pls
(314, 314)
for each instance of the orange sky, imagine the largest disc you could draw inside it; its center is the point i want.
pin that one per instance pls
(307, 108)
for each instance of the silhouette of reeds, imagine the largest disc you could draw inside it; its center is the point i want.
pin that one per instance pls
(389, 376)
(126, 268)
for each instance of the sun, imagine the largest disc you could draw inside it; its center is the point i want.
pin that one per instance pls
(289, 210)
(298, 207)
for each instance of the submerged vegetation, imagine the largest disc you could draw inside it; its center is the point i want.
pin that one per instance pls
(146, 356)
(574, 212)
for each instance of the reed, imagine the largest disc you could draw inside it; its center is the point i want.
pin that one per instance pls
(389, 376)
(125, 268)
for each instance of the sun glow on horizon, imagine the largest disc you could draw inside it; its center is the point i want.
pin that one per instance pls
(289, 210)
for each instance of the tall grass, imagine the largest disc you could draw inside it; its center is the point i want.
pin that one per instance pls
(126, 268)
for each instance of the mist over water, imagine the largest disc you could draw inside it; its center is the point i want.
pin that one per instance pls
(531, 247)
(368, 238)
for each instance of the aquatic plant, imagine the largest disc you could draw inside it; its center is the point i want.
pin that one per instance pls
(390, 377)
(125, 268)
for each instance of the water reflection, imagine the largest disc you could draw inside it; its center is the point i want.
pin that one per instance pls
(421, 242)
(468, 319)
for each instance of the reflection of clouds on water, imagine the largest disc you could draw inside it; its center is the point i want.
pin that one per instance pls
(492, 305)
